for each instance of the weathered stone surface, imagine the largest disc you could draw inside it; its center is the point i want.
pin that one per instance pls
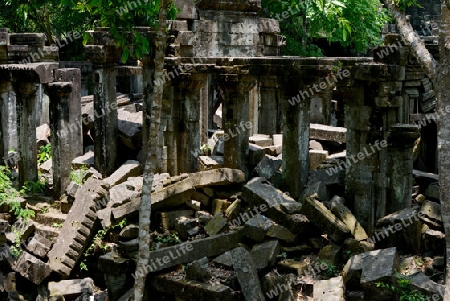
(43, 134)
(275, 286)
(225, 260)
(39, 246)
(183, 225)
(322, 175)
(208, 247)
(216, 224)
(365, 270)
(433, 240)
(433, 191)
(346, 216)
(274, 150)
(325, 219)
(328, 133)
(129, 232)
(77, 228)
(401, 229)
(318, 188)
(130, 168)
(6, 258)
(198, 270)
(71, 288)
(219, 205)
(329, 290)
(430, 212)
(257, 227)
(246, 273)
(32, 268)
(331, 254)
(268, 166)
(193, 205)
(256, 154)
(233, 210)
(210, 162)
(261, 140)
(190, 289)
(117, 273)
(316, 157)
(426, 286)
(280, 232)
(130, 129)
(72, 189)
(260, 193)
(265, 254)
(87, 160)
(293, 266)
(169, 219)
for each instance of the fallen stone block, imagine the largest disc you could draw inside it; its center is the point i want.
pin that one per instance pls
(263, 196)
(6, 259)
(246, 273)
(365, 270)
(216, 224)
(261, 140)
(280, 232)
(293, 266)
(331, 254)
(276, 286)
(198, 270)
(347, 217)
(130, 168)
(87, 160)
(219, 205)
(210, 162)
(78, 228)
(71, 289)
(268, 166)
(274, 150)
(327, 133)
(129, 232)
(318, 188)
(32, 268)
(130, 129)
(256, 154)
(329, 290)
(39, 246)
(117, 273)
(72, 189)
(224, 260)
(433, 191)
(183, 225)
(401, 229)
(324, 176)
(426, 286)
(256, 227)
(325, 219)
(187, 252)
(42, 135)
(233, 210)
(190, 289)
(433, 240)
(430, 213)
(194, 205)
(316, 157)
(265, 254)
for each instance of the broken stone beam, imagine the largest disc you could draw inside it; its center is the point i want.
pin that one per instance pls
(328, 133)
(189, 251)
(60, 134)
(105, 107)
(236, 122)
(32, 268)
(246, 273)
(78, 228)
(296, 132)
(168, 196)
(191, 87)
(73, 75)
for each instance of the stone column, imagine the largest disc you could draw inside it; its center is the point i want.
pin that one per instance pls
(235, 119)
(401, 142)
(61, 133)
(295, 165)
(269, 106)
(75, 123)
(4, 125)
(191, 85)
(105, 107)
(26, 93)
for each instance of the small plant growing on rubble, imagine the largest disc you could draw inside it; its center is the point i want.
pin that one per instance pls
(15, 249)
(403, 289)
(330, 271)
(45, 153)
(168, 239)
(78, 175)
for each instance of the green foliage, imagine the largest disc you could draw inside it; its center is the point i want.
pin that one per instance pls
(403, 290)
(402, 4)
(205, 150)
(45, 153)
(30, 187)
(330, 271)
(170, 239)
(9, 195)
(57, 225)
(78, 175)
(98, 242)
(15, 248)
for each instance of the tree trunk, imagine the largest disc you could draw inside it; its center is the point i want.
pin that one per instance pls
(413, 40)
(444, 135)
(151, 157)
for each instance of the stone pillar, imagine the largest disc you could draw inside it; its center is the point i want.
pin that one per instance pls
(4, 125)
(75, 123)
(269, 106)
(235, 119)
(192, 85)
(295, 138)
(26, 93)
(401, 142)
(61, 138)
(105, 107)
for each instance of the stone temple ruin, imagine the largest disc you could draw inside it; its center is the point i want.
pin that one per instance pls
(241, 127)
